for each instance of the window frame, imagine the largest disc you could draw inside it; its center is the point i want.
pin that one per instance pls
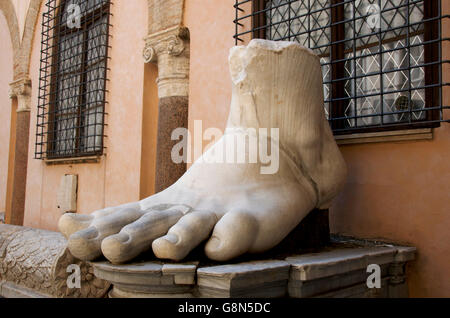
(50, 85)
(338, 97)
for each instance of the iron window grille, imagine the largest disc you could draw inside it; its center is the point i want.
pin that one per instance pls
(381, 59)
(73, 75)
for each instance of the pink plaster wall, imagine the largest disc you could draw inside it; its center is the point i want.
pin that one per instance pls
(211, 28)
(6, 77)
(116, 179)
(21, 8)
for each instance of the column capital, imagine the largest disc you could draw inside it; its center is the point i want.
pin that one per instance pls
(21, 89)
(169, 49)
(172, 41)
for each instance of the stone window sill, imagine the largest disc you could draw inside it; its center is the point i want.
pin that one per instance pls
(386, 136)
(67, 161)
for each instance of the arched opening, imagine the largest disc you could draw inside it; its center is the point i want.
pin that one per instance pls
(7, 110)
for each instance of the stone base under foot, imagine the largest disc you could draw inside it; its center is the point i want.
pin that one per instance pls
(148, 279)
(339, 270)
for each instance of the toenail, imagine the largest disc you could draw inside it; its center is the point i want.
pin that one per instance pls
(122, 238)
(171, 238)
(88, 234)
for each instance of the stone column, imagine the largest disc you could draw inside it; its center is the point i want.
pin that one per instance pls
(169, 49)
(20, 89)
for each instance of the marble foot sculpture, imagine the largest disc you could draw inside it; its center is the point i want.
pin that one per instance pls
(235, 207)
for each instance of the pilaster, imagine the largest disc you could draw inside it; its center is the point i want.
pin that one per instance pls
(167, 45)
(17, 173)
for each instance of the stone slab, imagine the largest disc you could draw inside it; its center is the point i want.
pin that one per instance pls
(183, 274)
(303, 289)
(405, 254)
(360, 291)
(318, 265)
(250, 279)
(67, 194)
(151, 268)
(148, 279)
(149, 273)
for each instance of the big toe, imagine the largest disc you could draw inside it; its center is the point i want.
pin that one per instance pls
(233, 236)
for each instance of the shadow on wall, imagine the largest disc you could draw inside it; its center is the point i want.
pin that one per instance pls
(2, 217)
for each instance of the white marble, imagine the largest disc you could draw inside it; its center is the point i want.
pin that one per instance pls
(237, 207)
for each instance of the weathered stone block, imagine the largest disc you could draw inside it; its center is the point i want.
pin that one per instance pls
(34, 263)
(319, 265)
(251, 279)
(148, 279)
(339, 270)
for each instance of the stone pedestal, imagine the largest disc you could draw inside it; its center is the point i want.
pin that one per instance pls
(148, 279)
(343, 272)
(34, 263)
(339, 270)
(265, 279)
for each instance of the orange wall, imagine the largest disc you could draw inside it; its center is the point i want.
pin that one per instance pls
(211, 27)
(395, 191)
(116, 179)
(6, 77)
(401, 192)
(149, 131)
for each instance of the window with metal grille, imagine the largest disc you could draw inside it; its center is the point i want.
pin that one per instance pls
(73, 75)
(381, 59)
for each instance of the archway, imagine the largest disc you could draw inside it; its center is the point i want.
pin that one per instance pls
(20, 94)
